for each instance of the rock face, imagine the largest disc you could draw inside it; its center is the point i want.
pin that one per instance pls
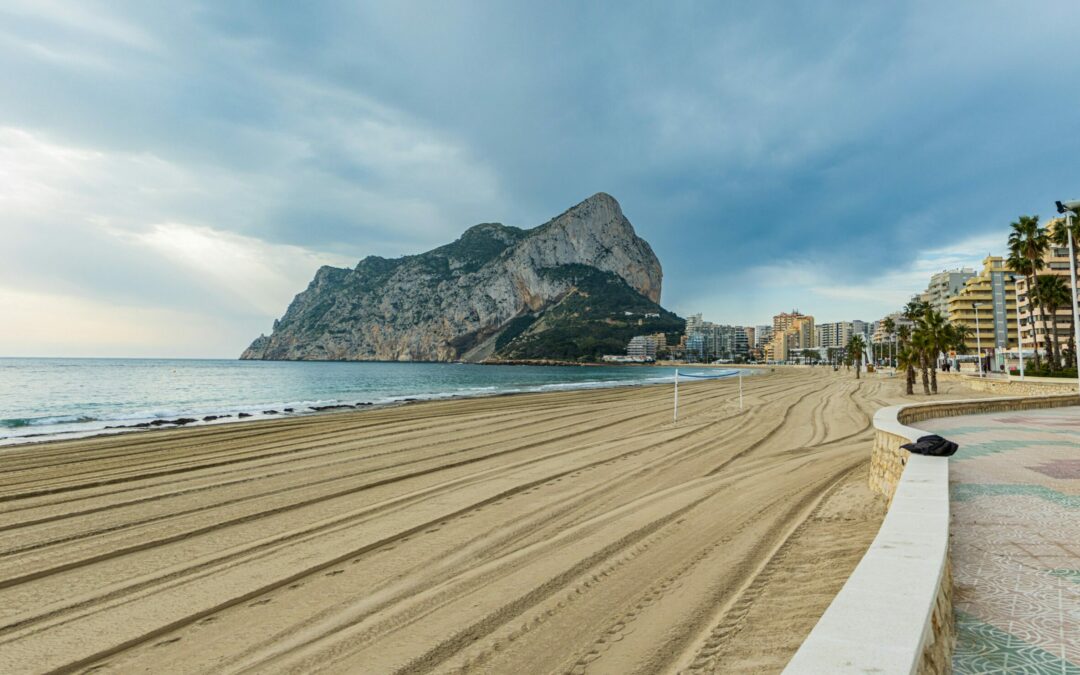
(453, 302)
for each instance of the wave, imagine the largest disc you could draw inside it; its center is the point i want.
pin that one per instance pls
(17, 422)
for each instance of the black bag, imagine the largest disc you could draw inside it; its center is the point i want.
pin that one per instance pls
(934, 446)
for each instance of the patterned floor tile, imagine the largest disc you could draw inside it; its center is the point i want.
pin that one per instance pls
(1015, 541)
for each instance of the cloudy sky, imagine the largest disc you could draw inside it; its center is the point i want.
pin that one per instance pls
(171, 174)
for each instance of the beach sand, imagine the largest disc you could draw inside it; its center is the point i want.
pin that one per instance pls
(564, 532)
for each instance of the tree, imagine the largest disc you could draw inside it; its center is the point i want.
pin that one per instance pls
(903, 335)
(890, 329)
(906, 357)
(1053, 295)
(937, 338)
(1059, 234)
(1029, 242)
(856, 346)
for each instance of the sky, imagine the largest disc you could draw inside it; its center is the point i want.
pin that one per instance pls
(172, 174)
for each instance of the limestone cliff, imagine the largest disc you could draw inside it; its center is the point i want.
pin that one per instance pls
(455, 302)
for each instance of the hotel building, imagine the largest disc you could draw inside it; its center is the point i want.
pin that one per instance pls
(987, 306)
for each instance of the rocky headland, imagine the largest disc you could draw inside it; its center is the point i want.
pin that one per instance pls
(571, 289)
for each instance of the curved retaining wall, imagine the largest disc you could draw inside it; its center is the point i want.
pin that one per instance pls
(894, 614)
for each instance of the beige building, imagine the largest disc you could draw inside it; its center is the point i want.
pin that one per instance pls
(987, 306)
(1055, 262)
(792, 332)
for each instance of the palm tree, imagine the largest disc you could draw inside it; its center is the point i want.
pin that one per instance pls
(855, 348)
(906, 357)
(938, 338)
(1059, 234)
(921, 342)
(1029, 242)
(1053, 294)
(903, 334)
(890, 329)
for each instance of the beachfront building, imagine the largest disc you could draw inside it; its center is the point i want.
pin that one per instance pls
(944, 285)
(792, 332)
(1038, 330)
(877, 333)
(987, 306)
(835, 334)
(643, 347)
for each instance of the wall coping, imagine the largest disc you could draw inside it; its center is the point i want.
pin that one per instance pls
(881, 620)
(901, 571)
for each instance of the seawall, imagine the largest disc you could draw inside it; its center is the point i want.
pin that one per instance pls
(894, 614)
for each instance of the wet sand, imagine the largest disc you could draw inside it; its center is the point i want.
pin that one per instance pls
(565, 532)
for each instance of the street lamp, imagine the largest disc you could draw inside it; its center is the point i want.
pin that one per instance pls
(978, 337)
(1070, 209)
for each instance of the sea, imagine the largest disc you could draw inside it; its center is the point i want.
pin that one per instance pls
(50, 398)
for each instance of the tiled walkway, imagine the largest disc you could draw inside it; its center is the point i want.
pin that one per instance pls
(1015, 485)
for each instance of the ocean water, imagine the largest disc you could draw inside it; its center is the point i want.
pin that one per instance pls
(41, 399)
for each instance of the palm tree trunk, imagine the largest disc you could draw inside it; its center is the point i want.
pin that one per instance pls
(925, 374)
(1057, 345)
(933, 376)
(911, 380)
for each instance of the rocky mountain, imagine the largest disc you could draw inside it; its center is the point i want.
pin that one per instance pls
(577, 286)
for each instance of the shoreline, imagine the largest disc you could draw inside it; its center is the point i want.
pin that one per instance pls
(269, 414)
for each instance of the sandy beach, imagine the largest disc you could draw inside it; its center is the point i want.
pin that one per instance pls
(565, 532)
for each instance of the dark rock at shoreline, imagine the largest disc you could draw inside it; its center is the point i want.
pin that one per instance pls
(141, 425)
(363, 403)
(209, 418)
(184, 420)
(270, 412)
(244, 415)
(289, 409)
(320, 408)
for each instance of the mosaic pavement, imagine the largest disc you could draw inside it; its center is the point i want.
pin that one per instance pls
(1015, 486)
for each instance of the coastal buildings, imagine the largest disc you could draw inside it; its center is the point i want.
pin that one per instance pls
(944, 285)
(877, 331)
(986, 305)
(644, 347)
(1038, 330)
(792, 332)
(835, 334)
(708, 341)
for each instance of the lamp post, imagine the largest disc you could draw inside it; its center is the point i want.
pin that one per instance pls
(1019, 327)
(978, 337)
(1070, 210)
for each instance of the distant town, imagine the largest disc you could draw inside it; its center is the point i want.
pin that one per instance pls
(990, 308)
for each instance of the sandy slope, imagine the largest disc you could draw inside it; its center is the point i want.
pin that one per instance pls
(565, 532)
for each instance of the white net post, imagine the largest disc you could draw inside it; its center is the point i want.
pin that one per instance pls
(676, 417)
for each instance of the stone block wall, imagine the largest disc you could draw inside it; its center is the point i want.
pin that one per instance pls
(937, 652)
(1014, 386)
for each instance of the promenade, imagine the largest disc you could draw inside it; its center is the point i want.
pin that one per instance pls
(1015, 493)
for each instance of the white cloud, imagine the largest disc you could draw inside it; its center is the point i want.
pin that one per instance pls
(45, 324)
(253, 272)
